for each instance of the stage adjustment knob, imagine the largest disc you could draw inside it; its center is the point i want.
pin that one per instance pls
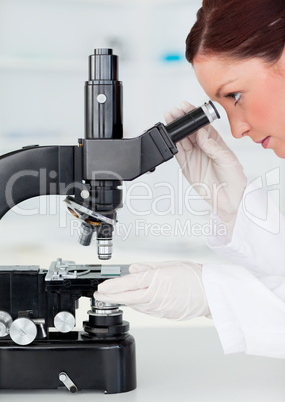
(5, 323)
(64, 321)
(23, 331)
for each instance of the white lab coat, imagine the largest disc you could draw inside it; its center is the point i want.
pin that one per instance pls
(247, 296)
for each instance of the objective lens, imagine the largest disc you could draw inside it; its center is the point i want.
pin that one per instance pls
(105, 248)
(86, 234)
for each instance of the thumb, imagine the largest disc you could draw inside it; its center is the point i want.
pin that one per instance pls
(126, 283)
(150, 266)
(144, 267)
(213, 148)
(136, 268)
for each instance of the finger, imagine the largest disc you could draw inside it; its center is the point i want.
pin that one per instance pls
(168, 117)
(206, 144)
(186, 106)
(210, 132)
(135, 281)
(213, 148)
(129, 298)
(147, 266)
(187, 143)
(176, 112)
(136, 268)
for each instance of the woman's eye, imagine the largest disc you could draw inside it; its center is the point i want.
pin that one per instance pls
(234, 95)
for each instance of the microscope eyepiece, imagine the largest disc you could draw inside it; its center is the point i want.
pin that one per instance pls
(210, 111)
(103, 66)
(192, 121)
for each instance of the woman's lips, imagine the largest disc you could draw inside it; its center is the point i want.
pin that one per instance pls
(264, 142)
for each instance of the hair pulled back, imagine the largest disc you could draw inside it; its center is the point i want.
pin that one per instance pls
(238, 29)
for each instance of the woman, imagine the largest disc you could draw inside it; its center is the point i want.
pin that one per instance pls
(237, 51)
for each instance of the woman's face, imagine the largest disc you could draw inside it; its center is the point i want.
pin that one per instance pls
(252, 94)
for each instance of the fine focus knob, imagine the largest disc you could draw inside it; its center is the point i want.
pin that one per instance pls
(64, 321)
(23, 331)
(5, 323)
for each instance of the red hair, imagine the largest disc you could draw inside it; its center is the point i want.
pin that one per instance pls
(238, 29)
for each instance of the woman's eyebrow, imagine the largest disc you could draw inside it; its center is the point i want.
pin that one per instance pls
(218, 93)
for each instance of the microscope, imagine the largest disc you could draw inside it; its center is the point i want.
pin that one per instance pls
(39, 345)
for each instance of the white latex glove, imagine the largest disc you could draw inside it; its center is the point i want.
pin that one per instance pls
(205, 158)
(171, 289)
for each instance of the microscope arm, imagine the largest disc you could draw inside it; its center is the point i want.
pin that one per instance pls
(127, 158)
(34, 171)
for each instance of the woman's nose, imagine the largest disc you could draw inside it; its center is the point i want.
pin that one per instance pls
(239, 127)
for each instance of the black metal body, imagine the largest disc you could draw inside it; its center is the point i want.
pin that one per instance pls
(102, 357)
(107, 366)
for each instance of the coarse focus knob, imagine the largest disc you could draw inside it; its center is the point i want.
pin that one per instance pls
(64, 321)
(23, 331)
(5, 323)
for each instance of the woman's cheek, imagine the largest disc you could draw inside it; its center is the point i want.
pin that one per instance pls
(261, 115)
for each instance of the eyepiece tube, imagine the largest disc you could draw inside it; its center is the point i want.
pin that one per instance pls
(192, 121)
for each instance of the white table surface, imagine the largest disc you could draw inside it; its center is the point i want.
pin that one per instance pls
(184, 364)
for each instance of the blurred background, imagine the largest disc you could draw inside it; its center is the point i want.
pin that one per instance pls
(44, 49)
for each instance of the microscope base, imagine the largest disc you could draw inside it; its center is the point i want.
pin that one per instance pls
(107, 365)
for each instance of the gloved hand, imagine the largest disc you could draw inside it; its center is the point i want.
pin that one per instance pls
(171, 289)
(205, 158)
